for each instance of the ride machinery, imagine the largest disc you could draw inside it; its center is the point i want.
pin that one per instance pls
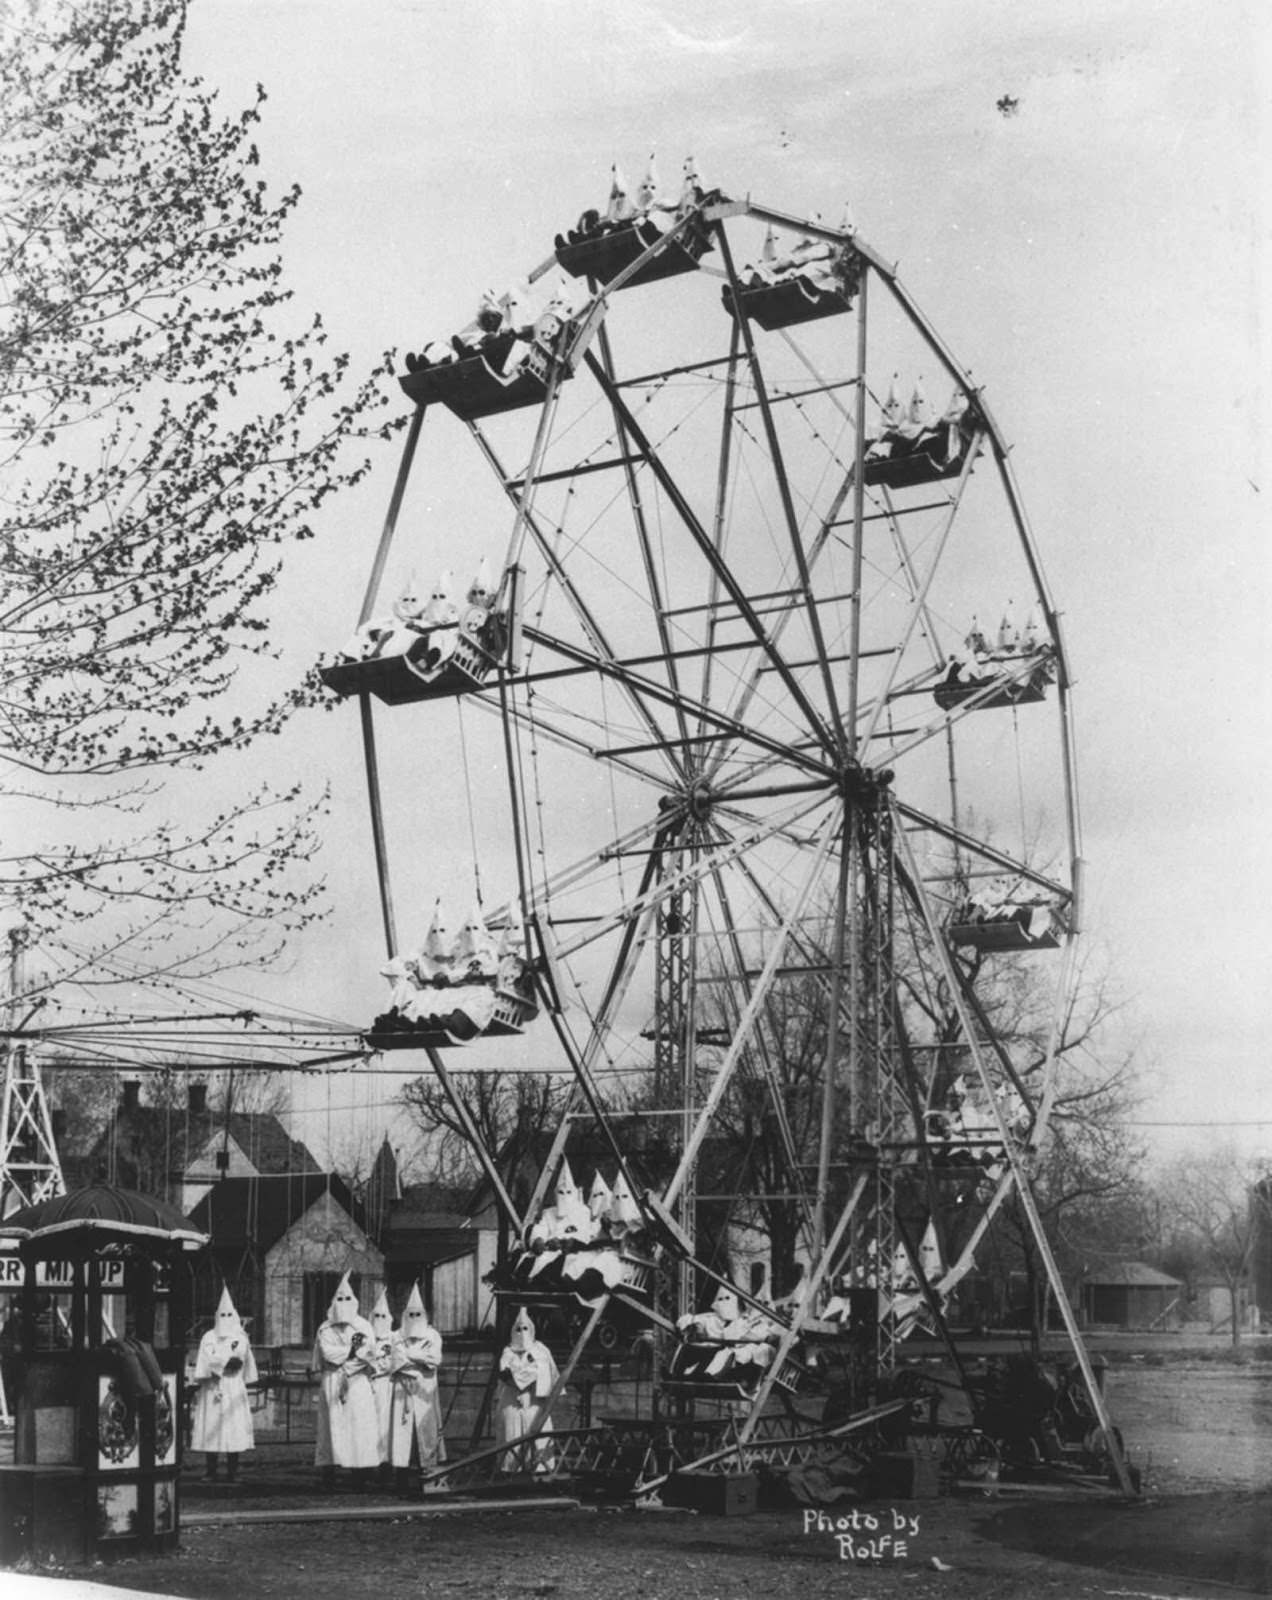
(761, 653)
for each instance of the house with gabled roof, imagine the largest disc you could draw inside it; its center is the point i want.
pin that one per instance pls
(281, 1244)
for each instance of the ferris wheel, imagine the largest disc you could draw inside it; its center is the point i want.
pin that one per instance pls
(768, 701)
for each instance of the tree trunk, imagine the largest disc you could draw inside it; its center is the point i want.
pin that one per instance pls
(1234, 1291)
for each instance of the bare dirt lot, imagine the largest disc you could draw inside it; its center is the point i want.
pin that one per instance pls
(1202, 1431)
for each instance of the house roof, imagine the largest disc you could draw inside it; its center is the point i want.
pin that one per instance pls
(180, 1135)
(260, 1210)
(1133, 1274)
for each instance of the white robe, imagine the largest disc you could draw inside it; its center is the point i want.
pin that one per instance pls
(526, 1379)
(417, 1409)
(382, 1388)
(222, 1416)
(348, 1432)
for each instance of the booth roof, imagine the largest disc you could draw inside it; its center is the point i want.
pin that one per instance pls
(101, 1213)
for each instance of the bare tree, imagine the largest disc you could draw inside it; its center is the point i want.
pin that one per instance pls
(511, 1113)
(168, 425)
(1214, 1201)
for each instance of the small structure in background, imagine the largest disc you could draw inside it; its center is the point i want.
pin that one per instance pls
(1132, 1295)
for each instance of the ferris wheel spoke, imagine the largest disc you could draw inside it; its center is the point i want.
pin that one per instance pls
(583, 613)
(750, 689)
(918, 602)
(686, 876)
(717, 564)
(983, 850)
(782, 482)
(648, 689)
(657, 601)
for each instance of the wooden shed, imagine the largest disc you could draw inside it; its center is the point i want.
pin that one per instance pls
(1132, 1295)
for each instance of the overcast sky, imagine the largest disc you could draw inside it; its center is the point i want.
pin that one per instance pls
(1098, 259)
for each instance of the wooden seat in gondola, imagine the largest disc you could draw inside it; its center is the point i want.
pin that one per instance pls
(401, 678)
(686, 1374)
(787, 302)
(1019, 927)
(471, 388)
(936, 454)
(526, 1275)
(393, 1031)
(603, 253)
(955, 689)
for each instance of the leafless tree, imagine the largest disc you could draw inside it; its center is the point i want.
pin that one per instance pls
(168, 426)
(1215, 1202)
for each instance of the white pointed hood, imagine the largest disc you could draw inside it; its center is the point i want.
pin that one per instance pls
(768, 250)
(410, 602)
(522, 1331)
(344, 1305)
(920, 405)
(471, 934)
(439, 938)
(567, 1191)
(600, 1197)
(620, 202)
(512, 938)
(415, 1323)
(623, 1210)
(381, 1316)
(930, 1254)
(647, 189)
(725, 1304)
(481, 591)
(893, 411)
(228, 1325)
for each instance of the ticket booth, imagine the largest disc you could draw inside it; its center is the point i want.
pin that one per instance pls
(103, 1303)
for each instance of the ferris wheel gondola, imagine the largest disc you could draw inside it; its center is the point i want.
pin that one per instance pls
(761, 761)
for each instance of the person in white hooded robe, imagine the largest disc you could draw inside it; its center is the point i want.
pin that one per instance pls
(527, 1376)
(382, 1324)
(222, 1414)
(346, 1358)
(416, 1426)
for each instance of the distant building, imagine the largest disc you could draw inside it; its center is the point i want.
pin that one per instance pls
(445, 1240)
(178, 1151)
(1132, 1295)
(282, 1244)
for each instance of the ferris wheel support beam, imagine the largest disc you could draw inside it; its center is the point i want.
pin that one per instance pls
(784, 494)
(714, 559)
(803, 1308)
(750, 1016)
(776, 1098)
(830, 1068)
(1020, 1176)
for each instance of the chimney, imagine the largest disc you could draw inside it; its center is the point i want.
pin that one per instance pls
(197, 1098)
(132, 1094)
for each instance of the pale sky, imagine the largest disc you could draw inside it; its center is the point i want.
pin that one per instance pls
(1099, 260)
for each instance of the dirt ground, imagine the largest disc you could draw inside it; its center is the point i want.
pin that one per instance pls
(960, 1550)
(1202, 1434)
